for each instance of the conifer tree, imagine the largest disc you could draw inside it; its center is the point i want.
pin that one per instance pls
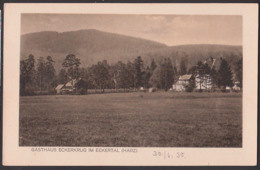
(225, 74)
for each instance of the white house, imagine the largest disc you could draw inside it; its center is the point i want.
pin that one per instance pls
(203, 82)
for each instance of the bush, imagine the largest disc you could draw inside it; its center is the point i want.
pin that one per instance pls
(52, 91)
(82, 91)
(189, 89)
(27, 93)
(223, 90)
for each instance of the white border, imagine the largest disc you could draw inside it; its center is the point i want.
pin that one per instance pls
(15, 155)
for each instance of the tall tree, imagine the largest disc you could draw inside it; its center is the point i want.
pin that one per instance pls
(27, 75)
(203, 68)
(156, 78)
(91, 77)
(123, 75)
(239, 72)
(183, 68)
(147, 76)
(153, 65)
(193, 70)
(225, 74)
(130, 67)
(169, 74)
(50, 73)
(62, 77)
(176, 76)
(214, 76)
(41, 74)
(101, 74)
(139, 67)
(163, 75)
(71, 64)
(116, 72)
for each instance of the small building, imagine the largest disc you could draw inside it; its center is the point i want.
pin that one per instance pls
(183, 82)
(236, 86)
(151, 89)
(59, 88)
(72, 87)
(228, 88)
(203, 82)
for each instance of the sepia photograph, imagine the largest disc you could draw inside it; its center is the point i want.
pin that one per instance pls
(128, 84)
(131, 80)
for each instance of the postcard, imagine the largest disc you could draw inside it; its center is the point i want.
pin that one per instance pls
(130, 84)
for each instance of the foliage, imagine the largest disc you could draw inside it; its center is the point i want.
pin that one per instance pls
(130, 75)
(189, 88)
(27, 76)
(183, 68)
(120, 75)
(41, 73)
(225, 74)
(50, 73)
(46, 78)
(82, 91)
(153, 65)
(71, 65)
(139, 71)
(147, 76)
(101, 74)
(41, 80)
(163, 75)
(62, 77)
(239, 72)
(203, 68)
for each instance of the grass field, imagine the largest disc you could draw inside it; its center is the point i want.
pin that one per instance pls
(159, 119)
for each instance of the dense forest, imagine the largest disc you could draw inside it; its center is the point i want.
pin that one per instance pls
(41, 77)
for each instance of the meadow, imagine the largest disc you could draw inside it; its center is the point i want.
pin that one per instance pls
(138, 119)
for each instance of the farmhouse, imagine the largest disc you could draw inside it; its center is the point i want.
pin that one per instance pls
(183, 82)
(203, 82)
(59, 88)
(72, 87)
(198, 82)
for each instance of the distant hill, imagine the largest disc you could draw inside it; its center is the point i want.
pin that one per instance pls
(191, 54)
(92, 46)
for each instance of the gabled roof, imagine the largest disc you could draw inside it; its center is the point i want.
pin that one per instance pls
(203, 75)
(185, 77)
(71, 83)
(59, 86)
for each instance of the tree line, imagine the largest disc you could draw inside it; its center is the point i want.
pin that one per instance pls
(40, 77)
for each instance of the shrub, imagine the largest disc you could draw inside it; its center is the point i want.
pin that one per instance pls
(27, 93)
(189, 89)
(82, 91)
(52, 91)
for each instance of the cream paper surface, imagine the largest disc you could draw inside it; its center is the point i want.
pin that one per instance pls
(15, 155)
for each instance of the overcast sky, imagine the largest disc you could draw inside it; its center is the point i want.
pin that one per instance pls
(167, 29)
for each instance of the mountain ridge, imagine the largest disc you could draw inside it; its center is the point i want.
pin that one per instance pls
(94, 30)
(92, 45)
